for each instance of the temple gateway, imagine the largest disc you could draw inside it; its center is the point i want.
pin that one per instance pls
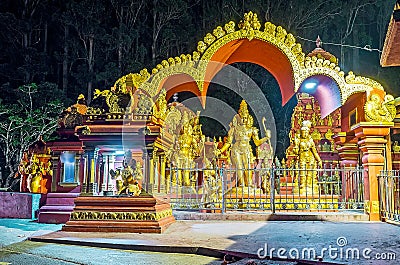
(126, 159)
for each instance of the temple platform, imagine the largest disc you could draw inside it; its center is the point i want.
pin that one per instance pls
(19, 205)
(141, 214)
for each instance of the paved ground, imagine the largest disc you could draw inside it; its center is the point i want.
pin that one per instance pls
(344, 239)
(15, 249)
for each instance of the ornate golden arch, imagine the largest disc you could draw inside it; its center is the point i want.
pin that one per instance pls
(197, 64)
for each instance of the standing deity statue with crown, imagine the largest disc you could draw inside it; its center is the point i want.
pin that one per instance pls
(241, 154)
(186, 145)
(307, 159)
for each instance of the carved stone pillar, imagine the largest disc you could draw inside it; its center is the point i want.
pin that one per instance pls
(56, 167)
(89, 172)
(146, 170)
(372, 143)
(152, 179)
(81, 172)
(162, 174)
(347, 148)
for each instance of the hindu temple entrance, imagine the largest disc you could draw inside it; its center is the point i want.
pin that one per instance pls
(338, 146)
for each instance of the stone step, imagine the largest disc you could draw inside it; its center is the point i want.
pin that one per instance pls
(56, 208)
(61, 198)
(56, 217)
(63, 195)
(60, 201)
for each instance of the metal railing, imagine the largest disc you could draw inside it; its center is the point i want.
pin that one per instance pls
(389, 194)
(273, 189)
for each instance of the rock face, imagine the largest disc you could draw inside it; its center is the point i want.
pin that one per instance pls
(141, 214)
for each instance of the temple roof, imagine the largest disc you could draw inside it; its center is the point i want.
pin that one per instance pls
(321, 53)
(391, 49)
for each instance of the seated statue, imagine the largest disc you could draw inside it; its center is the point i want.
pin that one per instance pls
(128, 179)
(396, 147)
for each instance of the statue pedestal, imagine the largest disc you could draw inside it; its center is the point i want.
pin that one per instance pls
(286, 202)
(141, 214)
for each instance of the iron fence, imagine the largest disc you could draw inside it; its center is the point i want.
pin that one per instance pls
(389, 194)
(272, 189)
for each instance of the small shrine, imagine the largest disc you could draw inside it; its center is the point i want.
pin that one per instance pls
(35, 169)
(322, 129)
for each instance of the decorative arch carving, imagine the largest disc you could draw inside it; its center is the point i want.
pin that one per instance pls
(222, 46)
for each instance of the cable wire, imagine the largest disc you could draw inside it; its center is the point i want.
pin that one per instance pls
(366, 47)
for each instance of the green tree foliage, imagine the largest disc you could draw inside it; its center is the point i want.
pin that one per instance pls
(32, 113)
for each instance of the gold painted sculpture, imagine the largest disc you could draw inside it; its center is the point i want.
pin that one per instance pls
(307, 159)
(23, 164)
(160, 106)
(377, 110)
(80, 105)
(197, 134)
(188, 143)
(396, 147)
(187, 147)
(239, 136)
(265, 156)
(211, 186)
(35, 172)
(128, 179)
(250, 23)
(32, 172)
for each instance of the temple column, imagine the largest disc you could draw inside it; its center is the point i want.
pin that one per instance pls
(162, 174)
(101, 178)
(152, 180)
(146, 170)
(372, 143)
(89, 172)
(81, 172)
(347, 147)
(56, 167)
(106, 169)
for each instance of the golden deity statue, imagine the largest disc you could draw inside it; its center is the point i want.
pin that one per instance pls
(212, 186)
(396, 147)
(128, 179)
(80, 105)
(23, 164)
(241, 154)
(187, 146)
(379, 110)
(35, 171)
(308, 160)
(160, 106)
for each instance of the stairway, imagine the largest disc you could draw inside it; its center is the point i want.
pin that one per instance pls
(58, 208)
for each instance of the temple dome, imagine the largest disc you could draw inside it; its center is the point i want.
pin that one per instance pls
(321, 53)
